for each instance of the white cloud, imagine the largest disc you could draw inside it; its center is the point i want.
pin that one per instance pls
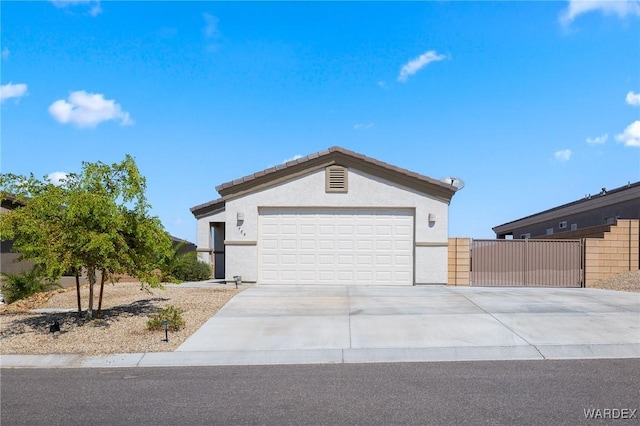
(56, 178)
(88, 110)
(11, 90)
(598, 140)
(416, 64)
(631, 135)
(633, 98)
(5, 53)
(562, 155)
(363, 126)
(621, 8)
(211, 25)
(295, 157)
(93, 5)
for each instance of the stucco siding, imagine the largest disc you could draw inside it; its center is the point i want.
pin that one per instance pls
(431, 265)
(364, 191)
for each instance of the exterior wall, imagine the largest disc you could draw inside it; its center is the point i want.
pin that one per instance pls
(592, 232)
(365, 191)
(459, 261)
(617, 252)
(203, 241)
(626, 210)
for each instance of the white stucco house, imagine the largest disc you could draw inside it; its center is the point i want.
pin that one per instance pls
(333, 217)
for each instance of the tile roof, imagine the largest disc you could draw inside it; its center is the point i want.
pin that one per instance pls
(325, 153)
(333, 155)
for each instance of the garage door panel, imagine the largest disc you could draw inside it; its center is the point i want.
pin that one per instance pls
(327, 230)
(336, 246)
(345, 260)
(307, 229)
(326, 276)
(402, 245)
(307, 244)
(326, 259)
(327, 244)
(345, 244)
(307, 259)
(288, 259)
(402, 230)
(384, 245)
(287, 244)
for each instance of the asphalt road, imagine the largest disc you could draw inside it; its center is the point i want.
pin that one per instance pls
(490, 392)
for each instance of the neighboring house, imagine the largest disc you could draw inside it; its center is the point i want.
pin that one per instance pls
(333, 217)
(587, 217)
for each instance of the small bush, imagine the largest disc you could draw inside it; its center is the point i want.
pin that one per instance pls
(191, 269)
(24, 284)
(171, 314)
(180, 267)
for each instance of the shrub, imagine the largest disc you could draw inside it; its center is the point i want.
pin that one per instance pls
(180, 267)
(171, 314)
(24, 284)
(191, 269)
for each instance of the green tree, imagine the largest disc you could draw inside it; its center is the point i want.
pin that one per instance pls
(97, 221)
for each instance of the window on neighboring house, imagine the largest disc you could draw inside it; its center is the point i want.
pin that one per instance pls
(549, 231)
(525, 236)
(336, 179)
(574, 226)
(610, 220)
(562, 225)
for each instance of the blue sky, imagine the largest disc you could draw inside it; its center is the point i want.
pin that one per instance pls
(533, 104)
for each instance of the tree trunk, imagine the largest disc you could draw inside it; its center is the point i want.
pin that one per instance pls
(99, 315)
(78, 293)
(91, 275)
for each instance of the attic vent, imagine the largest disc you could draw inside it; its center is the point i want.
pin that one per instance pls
(336, 179)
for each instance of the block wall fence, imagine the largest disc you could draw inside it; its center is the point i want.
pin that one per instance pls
(459, 270)
(616, 252)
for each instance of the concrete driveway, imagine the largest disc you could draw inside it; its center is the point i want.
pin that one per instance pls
(296, 324)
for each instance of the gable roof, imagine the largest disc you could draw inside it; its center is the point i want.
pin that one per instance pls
(333, 156)
(336, 156)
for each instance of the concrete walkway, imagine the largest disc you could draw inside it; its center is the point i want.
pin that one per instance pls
(297, 325)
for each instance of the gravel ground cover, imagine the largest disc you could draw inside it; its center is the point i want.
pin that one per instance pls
(628, 281)
(122, 328)
(126, 310)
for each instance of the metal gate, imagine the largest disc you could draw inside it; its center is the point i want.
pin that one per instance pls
(527, 263)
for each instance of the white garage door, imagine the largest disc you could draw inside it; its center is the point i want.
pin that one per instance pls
(336, 246)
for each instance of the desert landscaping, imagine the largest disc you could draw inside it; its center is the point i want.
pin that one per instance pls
(122, 328)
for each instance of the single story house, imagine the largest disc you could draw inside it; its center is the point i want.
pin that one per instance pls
(589, 216)
(333, 217)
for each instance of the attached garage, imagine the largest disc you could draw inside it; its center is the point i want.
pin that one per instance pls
(331, 218)
(336, 246)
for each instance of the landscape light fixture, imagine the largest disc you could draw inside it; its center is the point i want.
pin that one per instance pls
(165, 324)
